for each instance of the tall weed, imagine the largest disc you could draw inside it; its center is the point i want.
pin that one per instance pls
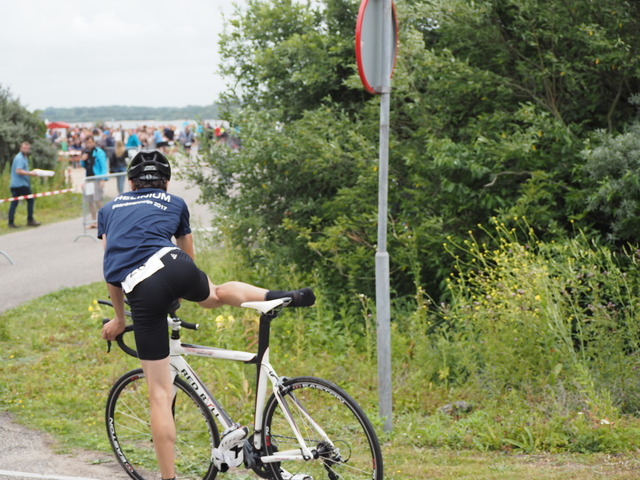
(552, 324)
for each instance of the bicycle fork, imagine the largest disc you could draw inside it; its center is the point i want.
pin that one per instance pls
(304, 453)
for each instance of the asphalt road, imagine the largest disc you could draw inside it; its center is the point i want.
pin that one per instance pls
(46, 259)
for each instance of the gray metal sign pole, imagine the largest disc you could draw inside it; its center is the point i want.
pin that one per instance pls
(383, 299)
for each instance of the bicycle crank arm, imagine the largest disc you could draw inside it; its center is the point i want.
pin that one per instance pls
(287, 455)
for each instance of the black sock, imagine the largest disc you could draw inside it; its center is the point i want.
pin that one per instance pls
(302, 297)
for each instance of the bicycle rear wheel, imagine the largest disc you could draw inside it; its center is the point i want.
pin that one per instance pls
(353, 451)
(127, 420)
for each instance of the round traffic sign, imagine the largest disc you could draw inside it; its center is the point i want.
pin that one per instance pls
(369, 43)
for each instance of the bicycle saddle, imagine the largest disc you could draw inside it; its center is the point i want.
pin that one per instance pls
(267, 306)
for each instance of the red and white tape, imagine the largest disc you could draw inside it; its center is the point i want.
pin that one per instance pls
(36, 195)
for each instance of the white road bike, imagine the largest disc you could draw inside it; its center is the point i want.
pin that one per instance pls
(307, 429)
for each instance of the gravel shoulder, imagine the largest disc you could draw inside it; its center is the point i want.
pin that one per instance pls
(26, 453)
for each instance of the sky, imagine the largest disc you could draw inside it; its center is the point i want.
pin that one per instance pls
(83, 53)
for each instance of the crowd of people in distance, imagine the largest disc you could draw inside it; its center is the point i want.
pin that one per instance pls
(166, 138)
(105, 152)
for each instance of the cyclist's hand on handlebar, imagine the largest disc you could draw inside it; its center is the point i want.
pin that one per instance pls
(113, 328)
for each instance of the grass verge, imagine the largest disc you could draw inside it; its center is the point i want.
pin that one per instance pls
(47, 210)
(56, 374)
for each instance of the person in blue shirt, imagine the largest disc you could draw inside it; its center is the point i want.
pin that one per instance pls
(94, 161)
(142, 264)
(159, 139)
(133, 142)
(21, 185)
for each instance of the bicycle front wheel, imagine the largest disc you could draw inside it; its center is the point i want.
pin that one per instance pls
(346, 444)
(127, 418)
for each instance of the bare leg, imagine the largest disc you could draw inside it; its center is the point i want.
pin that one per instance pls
(92, 209)
(163, 429)
(232, 293)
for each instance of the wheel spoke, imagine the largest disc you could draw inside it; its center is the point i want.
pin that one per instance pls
(130, 433)
(331, 424)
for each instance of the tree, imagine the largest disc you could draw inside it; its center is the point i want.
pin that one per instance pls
(290, 55)
(577, 60)
(492, 102)
(18, 125)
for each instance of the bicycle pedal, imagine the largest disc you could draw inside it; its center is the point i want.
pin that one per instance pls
(297, 476)
(218, 460)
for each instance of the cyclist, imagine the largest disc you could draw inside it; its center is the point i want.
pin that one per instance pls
(142, 263)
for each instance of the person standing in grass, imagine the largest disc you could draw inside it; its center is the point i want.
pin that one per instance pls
(21, 185)
(143, 264)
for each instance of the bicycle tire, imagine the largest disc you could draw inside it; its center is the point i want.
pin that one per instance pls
(356, 454)
(129, 432)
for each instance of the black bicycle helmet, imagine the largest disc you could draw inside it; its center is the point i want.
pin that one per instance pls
(149, 165)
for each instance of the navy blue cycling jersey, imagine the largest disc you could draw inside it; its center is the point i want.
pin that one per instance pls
(136, 225)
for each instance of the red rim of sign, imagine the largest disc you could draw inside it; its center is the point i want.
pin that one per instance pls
(363, 6)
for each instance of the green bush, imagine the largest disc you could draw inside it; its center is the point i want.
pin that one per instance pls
(612, 166)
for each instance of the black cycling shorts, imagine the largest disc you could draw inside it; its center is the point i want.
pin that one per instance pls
(151, 298)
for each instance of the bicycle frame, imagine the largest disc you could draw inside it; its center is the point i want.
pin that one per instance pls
(265, 372)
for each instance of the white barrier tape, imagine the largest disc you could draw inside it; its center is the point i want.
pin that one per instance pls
(35, 195)
(12, 474)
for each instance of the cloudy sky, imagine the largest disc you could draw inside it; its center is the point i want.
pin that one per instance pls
(78, 53)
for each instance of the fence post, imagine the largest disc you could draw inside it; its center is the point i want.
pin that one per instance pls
(97, 191)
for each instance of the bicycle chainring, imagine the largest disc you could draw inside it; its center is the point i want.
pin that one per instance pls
(252, 460)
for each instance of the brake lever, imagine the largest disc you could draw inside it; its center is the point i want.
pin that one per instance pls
(105, 320)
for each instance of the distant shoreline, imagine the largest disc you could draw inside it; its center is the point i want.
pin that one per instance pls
(115, 113)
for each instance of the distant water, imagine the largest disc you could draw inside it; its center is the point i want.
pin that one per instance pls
(127, 124)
